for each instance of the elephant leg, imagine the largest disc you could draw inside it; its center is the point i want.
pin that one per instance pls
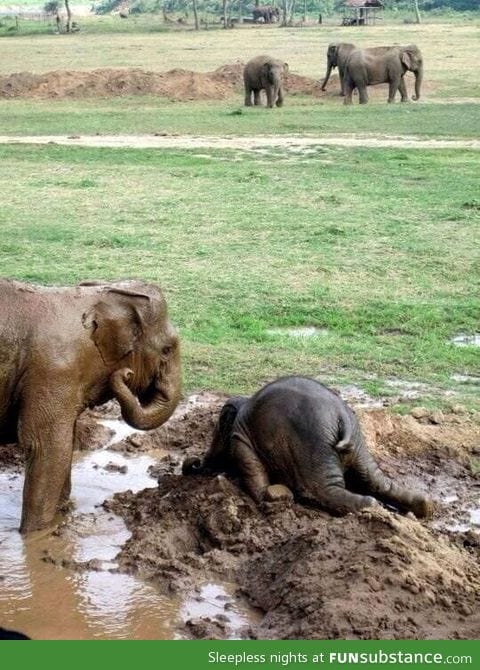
(362, 95)
(248, 96)
(403, 90)
(279, 102)
(341, 74)
(257, 100)
(348, 87)
(252, 472)
(270, 96)
(393, 86)
(382, 487)
(47, 439)
(326, 487)
(67, 488)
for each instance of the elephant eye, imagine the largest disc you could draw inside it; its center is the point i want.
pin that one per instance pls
(166, 350)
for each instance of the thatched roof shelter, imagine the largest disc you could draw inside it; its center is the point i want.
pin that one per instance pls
(361, 12)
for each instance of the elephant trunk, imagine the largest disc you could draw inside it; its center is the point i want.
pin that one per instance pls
(165, 395)
(418, 82)
(327, 75)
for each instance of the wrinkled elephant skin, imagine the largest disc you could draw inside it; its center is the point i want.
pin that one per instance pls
(65, 349)
(295, 436)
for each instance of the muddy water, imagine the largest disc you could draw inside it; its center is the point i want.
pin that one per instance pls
(44, 593)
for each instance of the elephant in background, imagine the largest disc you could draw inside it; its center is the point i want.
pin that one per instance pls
(297, 437)
(65, 349)
(268, 13)
(337, 55)
(365, 68)
(267, 73)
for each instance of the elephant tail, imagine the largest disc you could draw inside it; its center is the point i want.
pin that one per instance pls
(346, 441)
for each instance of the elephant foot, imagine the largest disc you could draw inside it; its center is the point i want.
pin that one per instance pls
(277, 492)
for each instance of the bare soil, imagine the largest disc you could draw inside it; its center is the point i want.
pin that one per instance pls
(178, 84)
(373, 575)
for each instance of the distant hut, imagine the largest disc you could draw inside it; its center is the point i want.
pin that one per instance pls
(361, 12)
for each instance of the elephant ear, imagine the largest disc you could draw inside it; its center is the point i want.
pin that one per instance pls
(116, 323)
(407, 59)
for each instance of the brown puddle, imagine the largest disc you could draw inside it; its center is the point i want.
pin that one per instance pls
(66, 585)
(198, 559)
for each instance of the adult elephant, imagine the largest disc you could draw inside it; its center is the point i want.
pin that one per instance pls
(295, 436)
(267, 73)
(365, 68)
(337, 55)
(65, 349)
(267, 13)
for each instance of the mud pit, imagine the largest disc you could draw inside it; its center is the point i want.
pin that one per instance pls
(204, 562)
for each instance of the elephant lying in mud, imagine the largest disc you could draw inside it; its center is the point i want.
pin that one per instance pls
(267, 73)
(295, 436)
(65, 349)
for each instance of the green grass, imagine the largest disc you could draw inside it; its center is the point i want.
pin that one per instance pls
(378, 247)
(140, 115)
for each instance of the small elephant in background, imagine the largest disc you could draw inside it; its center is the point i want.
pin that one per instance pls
(65, 349)
(365, 67)
(267, 73)
(295, 437)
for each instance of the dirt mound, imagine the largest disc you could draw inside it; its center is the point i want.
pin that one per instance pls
(177, 84)
(372, 575)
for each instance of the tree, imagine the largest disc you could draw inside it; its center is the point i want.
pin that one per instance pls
(195, 15)
(418, 18)
(69, 16)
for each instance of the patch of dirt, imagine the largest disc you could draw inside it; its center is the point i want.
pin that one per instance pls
(89, 433)
(178, 84)
(293, 143)
(11, 456)
(372, 575)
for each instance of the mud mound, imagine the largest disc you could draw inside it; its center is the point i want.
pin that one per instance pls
(373, 575)
(11, 456)
(177, 84)
(455, 434)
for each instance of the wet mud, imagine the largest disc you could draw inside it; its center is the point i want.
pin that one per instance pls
(147, 552)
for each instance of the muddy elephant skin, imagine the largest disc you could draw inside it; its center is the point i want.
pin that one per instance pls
(297, 437)
(366, 67)
(65, 349)
(267, 73)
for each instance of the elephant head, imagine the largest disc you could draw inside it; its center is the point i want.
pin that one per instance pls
(139, 346)
(337, 54)
(216, 458)
(274, 71)
(411, 59)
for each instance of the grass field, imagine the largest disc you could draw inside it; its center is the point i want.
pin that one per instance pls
(373, 246)
(377, 248)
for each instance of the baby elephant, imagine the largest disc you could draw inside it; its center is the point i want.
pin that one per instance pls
(264, 72)
(295, 436)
